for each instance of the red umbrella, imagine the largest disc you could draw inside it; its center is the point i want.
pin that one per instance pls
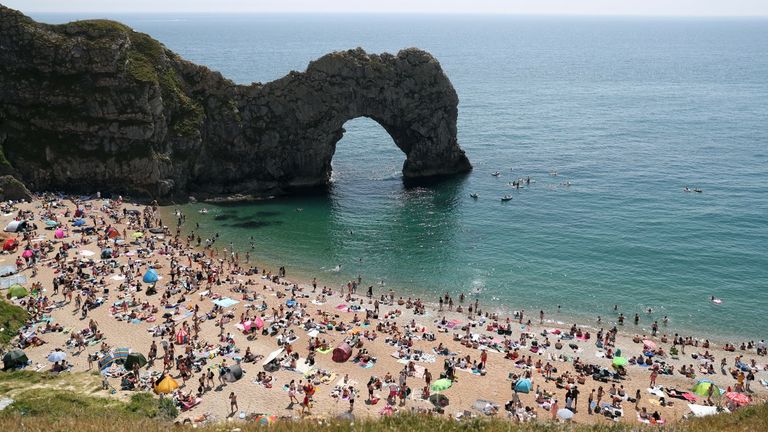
(739, 399)
(10, 244)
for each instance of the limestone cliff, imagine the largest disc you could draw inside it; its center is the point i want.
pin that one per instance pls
(94, 105)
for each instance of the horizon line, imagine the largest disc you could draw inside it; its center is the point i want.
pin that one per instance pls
(434, 13)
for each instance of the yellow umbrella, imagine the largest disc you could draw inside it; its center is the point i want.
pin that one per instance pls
(137, 234)
(166, 385)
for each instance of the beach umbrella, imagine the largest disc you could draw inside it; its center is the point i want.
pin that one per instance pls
(106, 361)
(137, 234)
(619, 361)
(59, 233)
(565, 413)
(150, 276)
(135, 358)
(10, 244)
(57, 356)
(439, 400)
(78, 222)
(272, 356)
(265, 420)
(441, 384)
(121, 353)
(290, 303)
(523, 385)
(649, 345)
(113, 233)
(14, 359)
(740, 399)
(106, 253)
(17, 291)
(702, 388)
(258, 322)
(27, 253)
(166, 385)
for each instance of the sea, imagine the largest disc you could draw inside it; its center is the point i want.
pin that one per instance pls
(627, 112)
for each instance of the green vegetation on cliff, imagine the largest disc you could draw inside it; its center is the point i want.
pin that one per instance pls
(12, 318)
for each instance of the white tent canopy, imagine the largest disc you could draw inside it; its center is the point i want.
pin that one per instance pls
(15, 226)
(273, 355)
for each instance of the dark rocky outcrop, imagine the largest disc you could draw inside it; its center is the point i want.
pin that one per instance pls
(12, 189)
(93, 105)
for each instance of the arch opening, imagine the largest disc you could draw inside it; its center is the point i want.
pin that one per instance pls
(365, 152)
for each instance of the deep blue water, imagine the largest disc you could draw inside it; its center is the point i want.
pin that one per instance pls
(628, 110)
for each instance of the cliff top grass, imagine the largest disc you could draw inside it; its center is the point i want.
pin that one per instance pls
(45, 402)
(12, 318)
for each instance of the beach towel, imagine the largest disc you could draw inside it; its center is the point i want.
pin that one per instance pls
(225, 302)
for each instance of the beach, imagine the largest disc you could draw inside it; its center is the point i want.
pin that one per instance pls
(189, 277)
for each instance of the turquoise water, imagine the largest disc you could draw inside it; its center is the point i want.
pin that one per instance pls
(628, 110)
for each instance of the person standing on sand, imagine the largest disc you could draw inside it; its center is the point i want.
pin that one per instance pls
(654, 374)
(292, 393)
(427, 377)
(305, 407)
(590, 399)
(483, 358)
(553, 409)
(232, 403)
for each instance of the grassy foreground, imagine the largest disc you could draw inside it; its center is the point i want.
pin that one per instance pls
(75, 402)
(12, 318)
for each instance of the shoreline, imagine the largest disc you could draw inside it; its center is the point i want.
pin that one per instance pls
(556, 318)
(490, 383)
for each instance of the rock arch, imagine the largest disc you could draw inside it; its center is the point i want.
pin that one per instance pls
(408, 95)
(93, 105)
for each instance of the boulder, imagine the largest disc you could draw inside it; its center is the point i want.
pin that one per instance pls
(12, 189)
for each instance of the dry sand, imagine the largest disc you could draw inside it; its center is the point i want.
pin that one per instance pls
(493, 386)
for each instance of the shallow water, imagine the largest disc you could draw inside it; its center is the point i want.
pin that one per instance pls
(628, 110)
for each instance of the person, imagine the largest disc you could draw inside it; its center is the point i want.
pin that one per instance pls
(305, 404)
(553, 409)
(654, 374)
(590, 399)
(483, 358)
(233, 403)
(292, 393)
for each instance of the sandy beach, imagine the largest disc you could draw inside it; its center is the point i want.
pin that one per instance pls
(181, 313)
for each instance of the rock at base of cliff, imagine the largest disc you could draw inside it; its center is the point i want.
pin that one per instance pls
(12, 189)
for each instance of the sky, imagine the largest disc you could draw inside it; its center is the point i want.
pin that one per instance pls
(524, 7)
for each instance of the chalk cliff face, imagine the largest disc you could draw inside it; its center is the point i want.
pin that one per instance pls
(93, 105)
